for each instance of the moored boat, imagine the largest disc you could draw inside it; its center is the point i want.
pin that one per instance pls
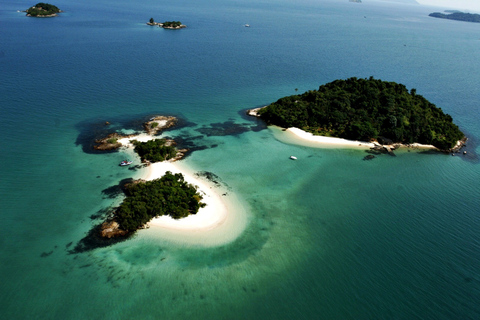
(125, 163)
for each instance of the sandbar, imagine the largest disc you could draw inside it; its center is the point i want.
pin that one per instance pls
(221, 221)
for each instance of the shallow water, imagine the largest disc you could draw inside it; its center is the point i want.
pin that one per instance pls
(328, 235)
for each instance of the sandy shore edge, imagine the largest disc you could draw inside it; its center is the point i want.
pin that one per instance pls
(297, 136)
(307, 136)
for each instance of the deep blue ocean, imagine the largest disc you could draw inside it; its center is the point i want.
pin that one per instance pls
(329, 236)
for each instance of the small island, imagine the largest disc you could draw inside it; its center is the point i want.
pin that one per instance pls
(152, 127)
(459, 16)
(169, 195)
(167, 24)
(366, 110)
(43, 10)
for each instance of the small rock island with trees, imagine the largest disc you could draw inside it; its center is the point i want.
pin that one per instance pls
(43, 10)
(167, 24)
(366, 110)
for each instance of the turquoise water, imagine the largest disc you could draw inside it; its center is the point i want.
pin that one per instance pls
(329, 236)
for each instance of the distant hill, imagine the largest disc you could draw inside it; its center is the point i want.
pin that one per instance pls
(460, 16)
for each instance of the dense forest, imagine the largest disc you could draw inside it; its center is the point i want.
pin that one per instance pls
(155, 150)
(42, 9)
(169, 195)
(365, 109)
(461, 16)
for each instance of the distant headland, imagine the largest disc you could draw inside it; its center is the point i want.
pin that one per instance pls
(367, 110)
(167, 24)
(43, 10)
(460, 16)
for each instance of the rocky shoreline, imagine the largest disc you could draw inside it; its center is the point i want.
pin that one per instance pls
(43, 16)
(161, 25)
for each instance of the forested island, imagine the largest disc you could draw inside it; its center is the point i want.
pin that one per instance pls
(365, 110)
(167, 24)
(169, 195)
(460, 16)
(43, 10)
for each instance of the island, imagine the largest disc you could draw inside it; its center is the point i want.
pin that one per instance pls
(167, 24)
(43, 10)
(152, 127)
(369, 110)
(145, 200)
(460, 16)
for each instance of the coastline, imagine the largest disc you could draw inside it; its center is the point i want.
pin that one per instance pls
(299, 137)
(221, 221)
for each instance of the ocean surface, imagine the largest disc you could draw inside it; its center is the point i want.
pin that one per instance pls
(329, 236)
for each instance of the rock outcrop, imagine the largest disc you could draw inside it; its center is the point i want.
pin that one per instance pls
(111, 229)
(159, 123)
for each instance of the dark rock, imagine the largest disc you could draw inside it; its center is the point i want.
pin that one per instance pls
(369, 157)
(383, 140)
(110, 142)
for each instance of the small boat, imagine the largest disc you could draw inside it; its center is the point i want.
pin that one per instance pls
(293, 157)
(126, 163)
(247, 25)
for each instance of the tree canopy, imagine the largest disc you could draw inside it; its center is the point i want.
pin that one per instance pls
(171, 24)
(42, 9)
(365, 109)
(170, 195)
(154, 150)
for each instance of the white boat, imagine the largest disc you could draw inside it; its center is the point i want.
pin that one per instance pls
(247, 25)
(126, 163)
(293, 157)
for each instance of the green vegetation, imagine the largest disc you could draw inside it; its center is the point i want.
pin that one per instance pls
(169, 195)
(154, 125)
(112, 140)
(171, 24)
(154, 150)
(42, 9)
(461, 16)
(364, 109)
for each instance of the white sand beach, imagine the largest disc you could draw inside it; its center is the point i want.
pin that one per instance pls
(300, 137)
(221, 221)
